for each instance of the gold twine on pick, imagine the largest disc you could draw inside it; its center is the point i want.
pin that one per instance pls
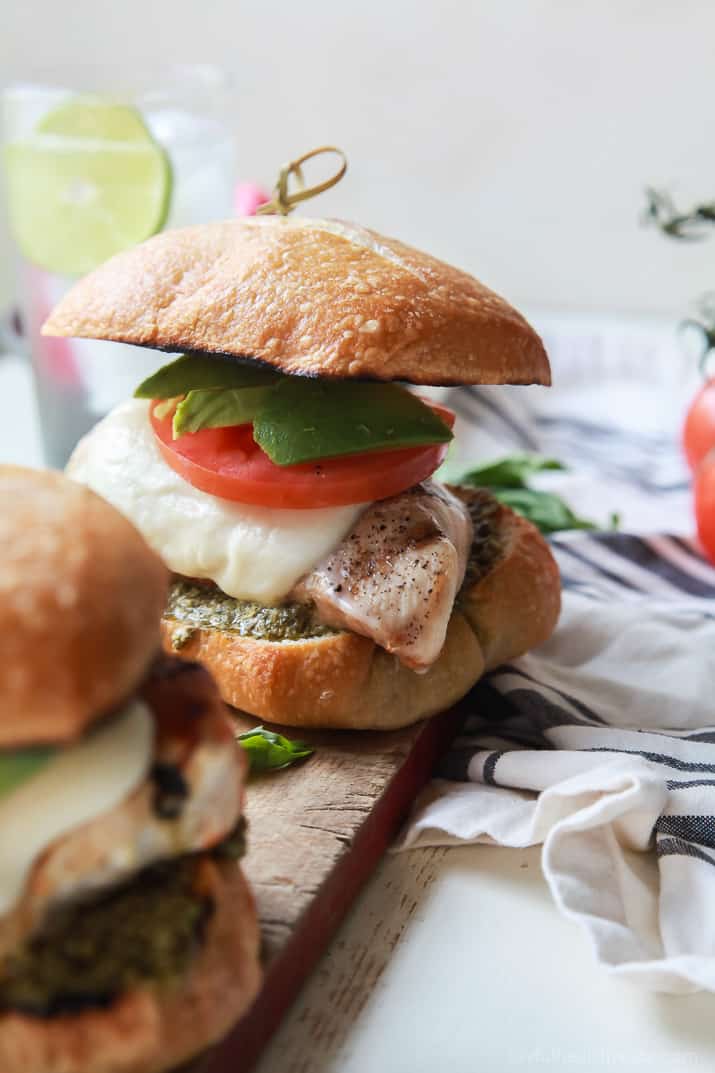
(284, 200)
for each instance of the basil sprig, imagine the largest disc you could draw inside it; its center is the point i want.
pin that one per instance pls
(295, 418)
(510, 472)
(548, 512)
(268, 751)
(507, 480)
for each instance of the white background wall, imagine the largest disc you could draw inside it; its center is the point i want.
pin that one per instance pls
(513, 137)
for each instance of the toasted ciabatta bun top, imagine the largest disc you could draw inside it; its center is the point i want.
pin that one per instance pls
(81, 596)
(309, 297)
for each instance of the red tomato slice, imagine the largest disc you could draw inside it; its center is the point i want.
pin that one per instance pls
(699, 428)
(228, 463)
(705, 504)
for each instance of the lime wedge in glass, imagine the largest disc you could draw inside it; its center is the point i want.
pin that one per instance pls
(88, 182)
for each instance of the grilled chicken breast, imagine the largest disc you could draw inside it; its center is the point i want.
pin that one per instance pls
(395, 576)
(190, 802)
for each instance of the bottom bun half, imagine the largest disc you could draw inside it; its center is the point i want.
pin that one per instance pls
(346, 681)
(147, 1031)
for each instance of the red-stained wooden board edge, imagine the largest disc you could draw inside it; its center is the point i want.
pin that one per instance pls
(240, 1050)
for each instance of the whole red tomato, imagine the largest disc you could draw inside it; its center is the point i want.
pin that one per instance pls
(704, 489)
(699, 427)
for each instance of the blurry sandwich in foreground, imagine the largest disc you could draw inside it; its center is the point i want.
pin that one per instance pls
(319, 571)
(128, 935)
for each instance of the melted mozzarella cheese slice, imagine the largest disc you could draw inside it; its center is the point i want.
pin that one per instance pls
(80, 783)
(252, 553)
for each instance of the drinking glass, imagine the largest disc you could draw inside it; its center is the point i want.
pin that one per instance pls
(78, 380)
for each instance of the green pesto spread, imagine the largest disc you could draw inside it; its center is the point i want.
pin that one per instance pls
(198, 606)
(147, 930)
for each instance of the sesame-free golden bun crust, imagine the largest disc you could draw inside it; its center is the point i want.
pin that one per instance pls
(340, 680)
(346, 681)
(147, 1031)
(308, 297)
(81, 595)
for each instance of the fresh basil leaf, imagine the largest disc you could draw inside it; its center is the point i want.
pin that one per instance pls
(303, 420)
(19, 765)
(547, 511)
(510, 472)
(191, 372)
(268, 751)
(217, 408)
(507, 480)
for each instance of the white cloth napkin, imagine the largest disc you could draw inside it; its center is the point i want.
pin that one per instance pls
(600, 745)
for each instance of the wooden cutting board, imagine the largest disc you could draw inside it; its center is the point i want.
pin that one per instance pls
(315, 834)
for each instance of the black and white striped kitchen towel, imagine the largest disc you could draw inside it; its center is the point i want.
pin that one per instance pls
(600, 745)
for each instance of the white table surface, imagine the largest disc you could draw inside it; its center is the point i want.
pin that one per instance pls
(454, 959)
